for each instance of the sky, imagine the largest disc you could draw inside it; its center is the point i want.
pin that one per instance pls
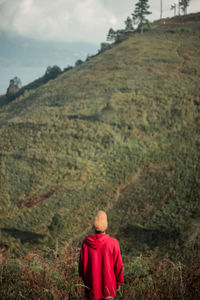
(74, 20)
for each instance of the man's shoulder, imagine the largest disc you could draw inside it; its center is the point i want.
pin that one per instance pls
(113, 241)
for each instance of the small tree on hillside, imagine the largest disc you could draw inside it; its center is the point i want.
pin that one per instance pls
(140, 13)
(111, 36)
(56, 228)
(14, 86)
(129, 25)
(173, 7)
(104, 46)
(184, 5)
(114, 36)
(78, 62)
(52, 72)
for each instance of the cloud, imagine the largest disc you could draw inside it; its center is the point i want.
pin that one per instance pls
(73, 20)
(68, 20)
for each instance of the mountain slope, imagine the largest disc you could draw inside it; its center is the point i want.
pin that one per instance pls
(75, 144)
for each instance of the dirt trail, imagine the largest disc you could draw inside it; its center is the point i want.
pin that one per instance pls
(118, 193)
(119, 190)
(34, 200)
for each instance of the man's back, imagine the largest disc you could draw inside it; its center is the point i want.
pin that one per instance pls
(100, 266)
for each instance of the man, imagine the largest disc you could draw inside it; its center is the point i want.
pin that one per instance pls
(100, 264)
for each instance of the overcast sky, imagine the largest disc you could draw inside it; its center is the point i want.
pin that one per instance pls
(74, 20)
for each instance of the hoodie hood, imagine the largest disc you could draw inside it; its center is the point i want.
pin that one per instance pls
(96, 241)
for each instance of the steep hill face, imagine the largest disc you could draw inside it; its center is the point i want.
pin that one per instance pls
(119, 132)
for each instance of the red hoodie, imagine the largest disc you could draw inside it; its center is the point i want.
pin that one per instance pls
(100, 266)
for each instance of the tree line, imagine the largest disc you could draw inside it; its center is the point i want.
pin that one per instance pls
(139, 17)
(180, 6)
(15, 88)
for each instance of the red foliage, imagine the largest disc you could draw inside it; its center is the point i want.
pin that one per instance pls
(52, 275)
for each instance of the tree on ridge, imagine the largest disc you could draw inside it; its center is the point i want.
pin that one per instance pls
(14, 86)
(129, 24)
(173, 7)
(184, 5)
(141, 10)
(111, 36)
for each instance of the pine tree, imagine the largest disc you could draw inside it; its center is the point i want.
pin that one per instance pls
(183, 5)
(141, 10)
(173, 7)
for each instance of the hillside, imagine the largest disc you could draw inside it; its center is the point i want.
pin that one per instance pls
(119, 132)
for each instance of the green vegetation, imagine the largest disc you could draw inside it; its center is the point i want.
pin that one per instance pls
(118, 132)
